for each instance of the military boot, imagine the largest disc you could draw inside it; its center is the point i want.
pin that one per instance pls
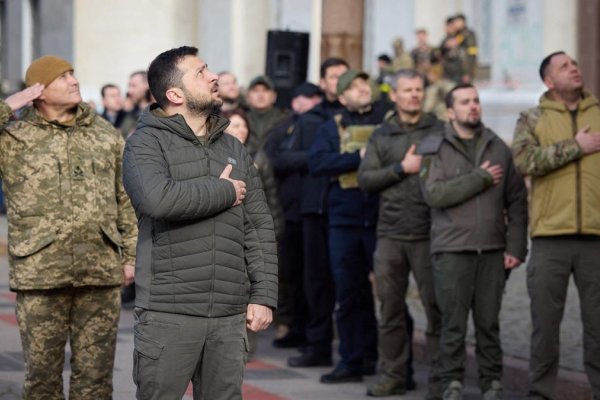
(385, 387)
(453, 391)
(494, 392)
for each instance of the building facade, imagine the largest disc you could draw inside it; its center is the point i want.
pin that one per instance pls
(109, 39)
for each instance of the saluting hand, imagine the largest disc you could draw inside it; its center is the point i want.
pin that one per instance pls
(24, 97)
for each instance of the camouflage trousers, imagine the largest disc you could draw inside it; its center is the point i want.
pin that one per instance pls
(88, 317)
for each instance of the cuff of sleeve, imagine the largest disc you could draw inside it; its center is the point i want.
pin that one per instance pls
(488, 180)
(263, 301)
(398, 169)
(128, 260)
(5, 112)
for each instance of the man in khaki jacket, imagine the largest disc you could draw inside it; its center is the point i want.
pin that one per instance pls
(557, 145)
(71, 232)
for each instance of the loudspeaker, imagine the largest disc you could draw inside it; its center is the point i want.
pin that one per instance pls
(287, 62)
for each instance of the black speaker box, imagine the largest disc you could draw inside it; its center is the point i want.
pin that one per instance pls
(287, 62)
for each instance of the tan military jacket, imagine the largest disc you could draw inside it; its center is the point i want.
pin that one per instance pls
(70, 222)
(565, 184)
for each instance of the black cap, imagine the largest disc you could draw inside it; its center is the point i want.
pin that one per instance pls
(307, 89)
(262, 80)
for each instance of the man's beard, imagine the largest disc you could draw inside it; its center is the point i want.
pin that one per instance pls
(200, 107)
(469, 124)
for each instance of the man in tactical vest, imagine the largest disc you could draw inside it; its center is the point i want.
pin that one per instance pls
(336, 153)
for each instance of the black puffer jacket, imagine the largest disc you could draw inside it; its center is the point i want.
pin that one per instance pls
(198, 255)
(403, 212)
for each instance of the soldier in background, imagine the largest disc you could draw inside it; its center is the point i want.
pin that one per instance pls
(422, 54)
(467, 42)
(71, 232)
(263, 114)
(402, 58)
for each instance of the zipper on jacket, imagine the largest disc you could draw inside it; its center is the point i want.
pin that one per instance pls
(577, 177)
(214, 269)
(477, 162)
(214, 241)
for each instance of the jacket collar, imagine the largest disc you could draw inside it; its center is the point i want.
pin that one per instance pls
(155, 117)
(588, 100)
(84, 116)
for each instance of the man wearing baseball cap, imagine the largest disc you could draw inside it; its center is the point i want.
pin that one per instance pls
(263, 114)
(281, 145)
(71, 231)
(336, 153)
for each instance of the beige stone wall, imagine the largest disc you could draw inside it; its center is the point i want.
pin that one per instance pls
(113, 38)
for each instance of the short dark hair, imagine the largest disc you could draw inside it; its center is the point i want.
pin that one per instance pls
(107, 86)
(332, 62)
(461, 16)
(164, 74)
(450, 20)
(546, 63)
(385, 58)
(450, 95)
(405, 73)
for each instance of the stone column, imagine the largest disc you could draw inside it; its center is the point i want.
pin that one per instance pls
(588, 43)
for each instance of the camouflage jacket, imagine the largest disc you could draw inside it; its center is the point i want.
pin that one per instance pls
(565, 184)
(70, 222)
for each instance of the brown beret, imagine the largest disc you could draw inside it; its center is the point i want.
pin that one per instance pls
(46, 69)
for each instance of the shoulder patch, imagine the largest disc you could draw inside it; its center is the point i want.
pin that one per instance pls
(430, 145)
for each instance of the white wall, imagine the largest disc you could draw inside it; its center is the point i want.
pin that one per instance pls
(384, 21)
(114, 37)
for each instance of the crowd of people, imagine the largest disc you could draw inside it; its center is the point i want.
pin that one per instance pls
(248, 214)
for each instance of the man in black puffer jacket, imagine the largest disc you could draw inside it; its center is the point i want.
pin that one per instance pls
(208, 263)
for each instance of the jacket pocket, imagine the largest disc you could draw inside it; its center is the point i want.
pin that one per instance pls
(30, 246)
(146, 352)
(147, 347)
(112, 234)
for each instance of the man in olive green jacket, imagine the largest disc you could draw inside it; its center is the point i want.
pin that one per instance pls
(391, 169)
(478, 231)
(557, 144)
(71, 232)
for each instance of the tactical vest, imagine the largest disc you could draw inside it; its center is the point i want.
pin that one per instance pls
(352, 139)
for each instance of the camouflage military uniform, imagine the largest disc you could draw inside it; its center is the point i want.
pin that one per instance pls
(467, 41)
(70, 229)
(564, 206)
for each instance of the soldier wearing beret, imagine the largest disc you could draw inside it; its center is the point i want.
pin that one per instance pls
(71, 232)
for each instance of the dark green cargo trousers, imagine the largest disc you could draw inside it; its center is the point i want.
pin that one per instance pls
(170, 350)
(466, 281)
(552, 262)
(394, 260)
